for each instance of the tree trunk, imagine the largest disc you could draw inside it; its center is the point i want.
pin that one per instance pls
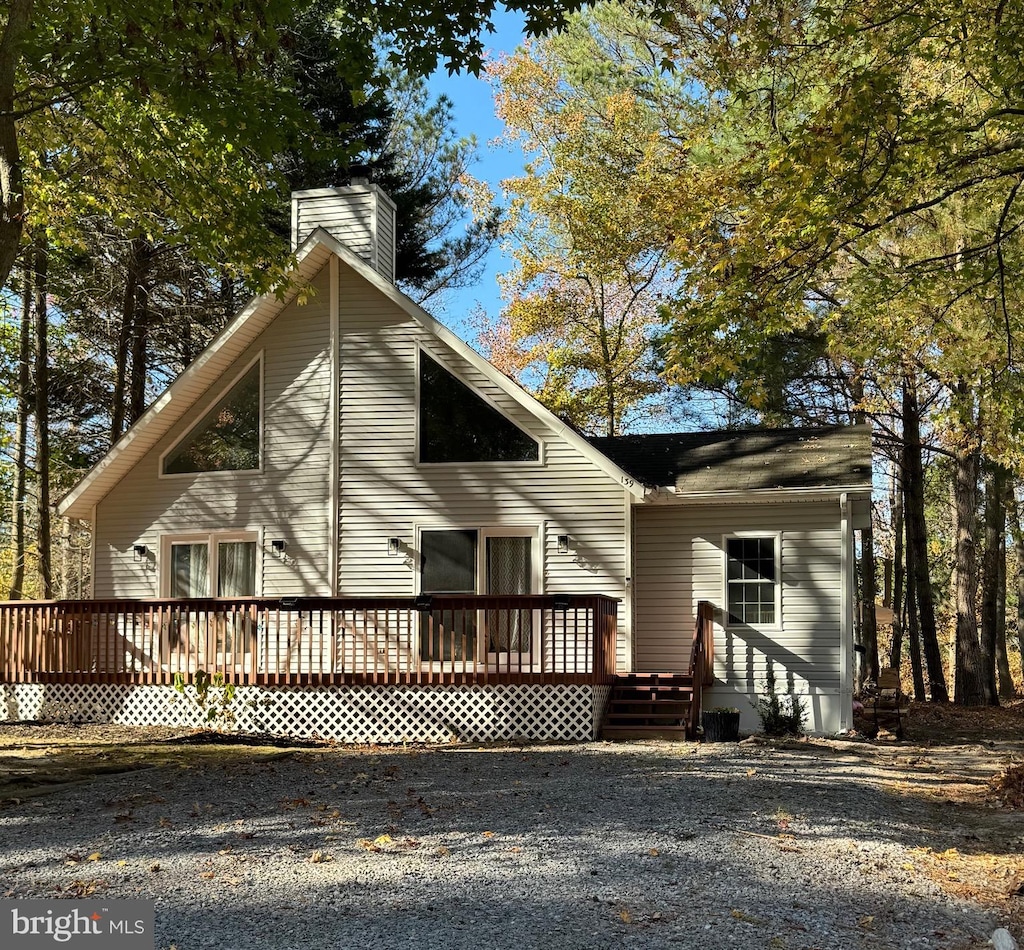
(140, 335)
(995, 523)
(917, 540)
(969, 677)
(1017, 533)
(12, 190)
(42, 386)
(898, 573)
(131, 281)
(869, 623)
(914, 629)
(227, 296)
(1007, 689)
(868, 633)
(19, 493)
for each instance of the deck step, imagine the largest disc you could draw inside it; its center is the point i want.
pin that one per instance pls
(648, 706)
(613, 733)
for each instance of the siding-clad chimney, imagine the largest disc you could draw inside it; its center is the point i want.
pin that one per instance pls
(360, 216)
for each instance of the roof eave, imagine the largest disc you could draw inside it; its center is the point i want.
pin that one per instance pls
(80, 502)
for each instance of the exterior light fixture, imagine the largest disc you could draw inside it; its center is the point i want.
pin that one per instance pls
(140, 551)
(394, 547)
(278, 546)
(563, 544)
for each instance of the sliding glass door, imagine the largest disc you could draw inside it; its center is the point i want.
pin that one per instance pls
(478, 561)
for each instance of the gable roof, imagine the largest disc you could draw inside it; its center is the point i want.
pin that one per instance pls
(242, 331)
(737, 460)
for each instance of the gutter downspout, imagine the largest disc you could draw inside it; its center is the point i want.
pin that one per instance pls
(846, 599)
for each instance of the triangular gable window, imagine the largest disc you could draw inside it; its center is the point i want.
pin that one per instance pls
(456, 425)
(227, 439)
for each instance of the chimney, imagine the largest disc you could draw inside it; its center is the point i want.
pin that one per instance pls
(360, 216)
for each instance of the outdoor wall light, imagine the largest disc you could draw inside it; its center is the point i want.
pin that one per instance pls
(563, 544)
(140, 551)
(394, 547)
(278, 546)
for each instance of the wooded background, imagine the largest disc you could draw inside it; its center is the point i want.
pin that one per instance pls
(743, 213)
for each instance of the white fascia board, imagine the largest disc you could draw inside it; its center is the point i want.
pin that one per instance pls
(752, 495)
(528, 402)
(178, 398)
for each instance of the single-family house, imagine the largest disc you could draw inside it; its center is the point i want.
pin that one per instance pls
(345, 510)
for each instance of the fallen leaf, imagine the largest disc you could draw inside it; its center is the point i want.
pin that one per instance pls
(95, 856)
(208, 875)
(653, 852)
(866, 922)
(625, 916)
(488, 834)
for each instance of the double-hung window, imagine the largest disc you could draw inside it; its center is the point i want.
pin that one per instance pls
(752, 579)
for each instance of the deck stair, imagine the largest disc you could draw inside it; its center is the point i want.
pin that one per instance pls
(648, 706)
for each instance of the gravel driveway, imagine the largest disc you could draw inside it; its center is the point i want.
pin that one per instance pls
(587, 846)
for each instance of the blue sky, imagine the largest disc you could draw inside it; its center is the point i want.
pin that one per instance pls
(474, 114)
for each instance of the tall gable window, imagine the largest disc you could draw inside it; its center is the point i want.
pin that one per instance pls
(456, 425)
(227, 438)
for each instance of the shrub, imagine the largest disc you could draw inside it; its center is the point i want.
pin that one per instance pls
(780, 715)
(211, 695)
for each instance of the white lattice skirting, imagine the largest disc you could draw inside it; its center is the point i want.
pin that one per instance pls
(360, 714)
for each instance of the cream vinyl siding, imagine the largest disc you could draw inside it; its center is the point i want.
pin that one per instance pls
(360, 217)
(680, 560)
(385, 492)
(288, 499)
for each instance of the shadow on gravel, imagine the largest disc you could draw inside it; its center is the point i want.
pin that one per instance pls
(565, 848)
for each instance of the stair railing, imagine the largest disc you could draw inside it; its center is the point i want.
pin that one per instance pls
(702, 661)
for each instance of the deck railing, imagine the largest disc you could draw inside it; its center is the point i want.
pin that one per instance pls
(309, 640)
(702, 661)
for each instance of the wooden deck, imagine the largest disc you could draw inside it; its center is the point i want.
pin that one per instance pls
(313, 640)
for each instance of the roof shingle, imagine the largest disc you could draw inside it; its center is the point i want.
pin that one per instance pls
(745, 460)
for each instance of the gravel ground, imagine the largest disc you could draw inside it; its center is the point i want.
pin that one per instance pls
(585, 846)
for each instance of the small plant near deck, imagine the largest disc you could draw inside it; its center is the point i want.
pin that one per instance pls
(211, 695)
(780, 715)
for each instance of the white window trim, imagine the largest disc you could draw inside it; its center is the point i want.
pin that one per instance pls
(212, 539)
(776, 536)
(534, 532)
(209, 404)
(541, 445)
